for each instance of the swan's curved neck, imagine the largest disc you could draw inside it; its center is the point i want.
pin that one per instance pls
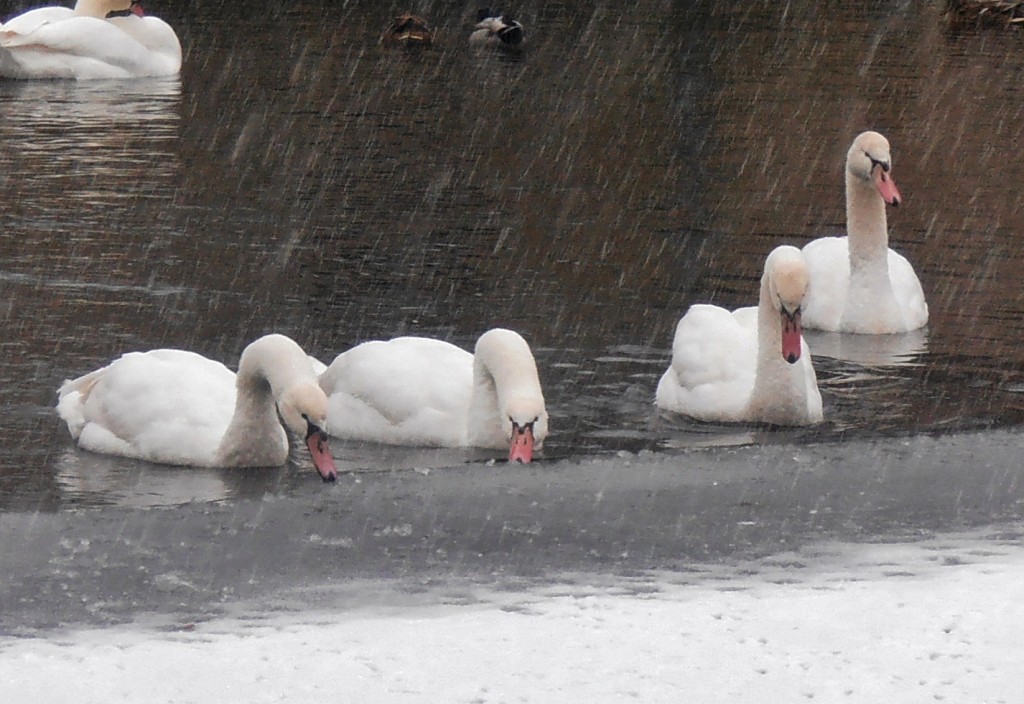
(484, 405)
(499, 374)
(99, 8)
(778, 385)
(769, 338)
(866, 225)
(254, 435)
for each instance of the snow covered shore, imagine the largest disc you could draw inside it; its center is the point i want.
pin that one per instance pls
(937, 620)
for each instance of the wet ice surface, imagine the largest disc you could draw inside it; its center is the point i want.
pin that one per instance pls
(493, 524)
(937, 620)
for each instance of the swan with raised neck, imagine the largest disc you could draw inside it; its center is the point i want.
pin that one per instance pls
(784, 392)
(858, 284)
(747, 365)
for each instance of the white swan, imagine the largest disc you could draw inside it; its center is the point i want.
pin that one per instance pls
(858, 284)
(749, 365)
(495, 29)
(180, 408)
(56, 42)
(419, 391)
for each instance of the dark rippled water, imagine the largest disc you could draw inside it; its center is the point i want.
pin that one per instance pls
(631, 161)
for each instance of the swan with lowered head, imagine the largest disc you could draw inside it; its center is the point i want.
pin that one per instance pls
(420, 391)
(858, 284)
(749, 365)
(495, 29)
(180, 408)
(57, 42)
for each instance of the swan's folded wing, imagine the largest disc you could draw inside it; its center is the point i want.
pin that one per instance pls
(27, 22)
(83, 36)
(828, 263)
(71, 399)
(714, 357)
(164, 406)
(87, 47)
(409, 391)
(907, 289)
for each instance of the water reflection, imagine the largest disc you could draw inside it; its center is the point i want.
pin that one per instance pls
(46, 104)
(94, 143)
(870, 350)
(88, 479)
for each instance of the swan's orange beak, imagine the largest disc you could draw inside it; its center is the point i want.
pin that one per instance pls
(316, 441)
(886, 186)
(791, 330)
(522, 443)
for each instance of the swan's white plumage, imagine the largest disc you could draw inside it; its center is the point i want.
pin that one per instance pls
(55, 42)
(180, 408)
(168, 406)
(882, 294)
(405, 391)
(711, 385)
(729, 366)
(420, 391)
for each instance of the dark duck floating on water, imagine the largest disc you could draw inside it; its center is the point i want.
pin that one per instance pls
(496, 29)
(408, 30)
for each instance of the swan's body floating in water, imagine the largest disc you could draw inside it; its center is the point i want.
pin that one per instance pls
(858, 284)
(750, 365)
(180, 408)
(57, 42)
(419, 391)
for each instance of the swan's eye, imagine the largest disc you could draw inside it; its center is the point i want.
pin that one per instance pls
(524, 427)
(877, 162)
(785, 311)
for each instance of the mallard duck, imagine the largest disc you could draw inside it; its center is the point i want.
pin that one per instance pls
(985, 12)
(408, 30)
(496, 29)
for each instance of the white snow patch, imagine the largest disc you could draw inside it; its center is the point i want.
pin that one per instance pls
(934, 621)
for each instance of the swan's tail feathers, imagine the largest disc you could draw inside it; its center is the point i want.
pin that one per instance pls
(71, 400)
(12, 39)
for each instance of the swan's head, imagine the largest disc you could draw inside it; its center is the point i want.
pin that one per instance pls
(525, 422)
(869, 161)
(786, 275)
(303, 408)
(506, 370)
